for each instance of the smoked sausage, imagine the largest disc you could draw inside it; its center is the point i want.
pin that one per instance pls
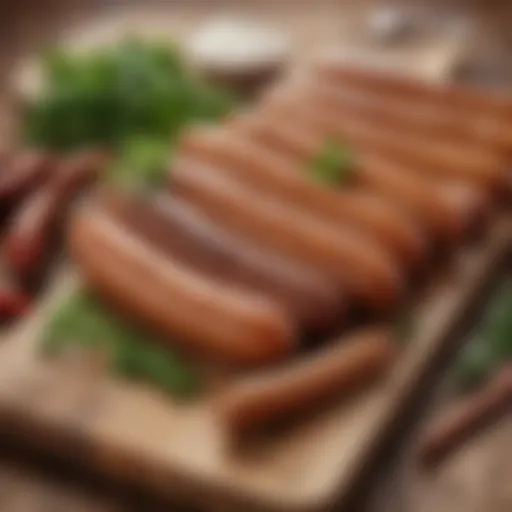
(274, 173)
(187, 308)
(372, 275)
(180, 230)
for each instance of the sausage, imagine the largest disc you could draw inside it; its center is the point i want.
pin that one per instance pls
(440, 159)
(371, 275)
(424, 120)
(456, 425)
(451, 209)
(34, 227)
(452, 96)
(258, 166)
(350, 362)
(447, 215)
(180, 230)
(22, 174)
(185, 307)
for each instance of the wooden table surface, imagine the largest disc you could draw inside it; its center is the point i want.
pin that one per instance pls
(476, 479)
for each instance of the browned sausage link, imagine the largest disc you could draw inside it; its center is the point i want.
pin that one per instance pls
(349, 258)
(22, 174)
(457, 424)
(460, 205)
(34, 229)
(347, 364)
(182, 305)
(429, 121)
(437, 157)
(255, 164)
(389, 82)
(452, 209)
(179, 229)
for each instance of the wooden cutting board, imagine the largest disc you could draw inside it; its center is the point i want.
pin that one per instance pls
(136, 434)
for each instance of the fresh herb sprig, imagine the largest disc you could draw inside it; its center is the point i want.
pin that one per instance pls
(113, 93)
(332, 164)
(82, 321)
(140, 161)
(492, 345)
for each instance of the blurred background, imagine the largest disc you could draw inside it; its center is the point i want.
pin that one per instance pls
(483, 24)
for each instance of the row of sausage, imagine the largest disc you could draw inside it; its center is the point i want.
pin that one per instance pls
(244, 239)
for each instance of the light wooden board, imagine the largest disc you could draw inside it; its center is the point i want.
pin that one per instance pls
(136, 434)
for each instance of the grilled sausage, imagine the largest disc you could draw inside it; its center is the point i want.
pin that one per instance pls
(348, 363)
(260, 167)
(351, 260)
(184, 306)
(180, 230)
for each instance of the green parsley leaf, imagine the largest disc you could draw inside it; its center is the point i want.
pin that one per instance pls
(333, 164)
(82, 321)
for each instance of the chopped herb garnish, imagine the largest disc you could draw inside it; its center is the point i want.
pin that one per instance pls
(140, 161)
(492, 345)
(133, 98)
(81, 321)
(333, 164)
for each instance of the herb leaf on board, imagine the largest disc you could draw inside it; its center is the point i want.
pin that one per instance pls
(333, 164)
